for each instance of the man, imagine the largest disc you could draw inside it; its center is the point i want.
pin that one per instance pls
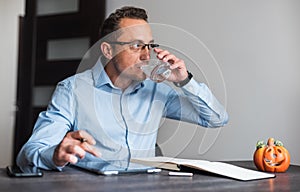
(113, 112)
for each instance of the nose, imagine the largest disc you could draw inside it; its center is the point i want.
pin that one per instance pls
(145, 53)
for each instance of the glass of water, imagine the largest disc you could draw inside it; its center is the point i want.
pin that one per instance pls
(157, 70)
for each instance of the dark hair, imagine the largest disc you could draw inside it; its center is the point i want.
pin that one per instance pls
(112, 22)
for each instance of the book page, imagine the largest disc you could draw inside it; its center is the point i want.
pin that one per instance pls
(232, 171)
(171, 160)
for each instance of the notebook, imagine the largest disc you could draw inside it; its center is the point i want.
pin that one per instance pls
(219, 168)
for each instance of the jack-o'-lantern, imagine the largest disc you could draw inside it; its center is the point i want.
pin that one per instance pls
(271, 157)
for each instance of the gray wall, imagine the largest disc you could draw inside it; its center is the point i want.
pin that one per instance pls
(256, 45)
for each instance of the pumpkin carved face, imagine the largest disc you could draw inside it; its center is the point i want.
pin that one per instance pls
(272, 157)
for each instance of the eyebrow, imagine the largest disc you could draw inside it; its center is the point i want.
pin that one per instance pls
(151, 41)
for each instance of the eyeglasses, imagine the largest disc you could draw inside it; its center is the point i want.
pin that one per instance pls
(136, 45)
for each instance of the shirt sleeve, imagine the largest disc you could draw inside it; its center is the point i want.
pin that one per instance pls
(50, 128)
(196, 105)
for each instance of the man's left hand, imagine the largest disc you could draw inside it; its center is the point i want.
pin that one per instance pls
(179, 71)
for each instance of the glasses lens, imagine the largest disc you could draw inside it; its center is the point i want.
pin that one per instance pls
(149, 46)
(137, 46)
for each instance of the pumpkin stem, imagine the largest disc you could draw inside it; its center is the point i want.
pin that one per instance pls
(260, 144)
(271, 142)
(278, 143)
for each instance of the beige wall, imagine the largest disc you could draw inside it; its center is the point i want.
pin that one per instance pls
(9, 13)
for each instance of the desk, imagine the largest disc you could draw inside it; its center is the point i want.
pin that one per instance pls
(72, 179)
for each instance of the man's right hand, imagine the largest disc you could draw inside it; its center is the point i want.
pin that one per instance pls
(75, 144)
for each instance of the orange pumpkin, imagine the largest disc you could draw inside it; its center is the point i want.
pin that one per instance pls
(272, 157)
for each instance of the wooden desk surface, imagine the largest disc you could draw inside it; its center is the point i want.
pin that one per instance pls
(72, 179)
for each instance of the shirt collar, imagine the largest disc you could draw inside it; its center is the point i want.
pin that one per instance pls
(101, 78)
(99, 75)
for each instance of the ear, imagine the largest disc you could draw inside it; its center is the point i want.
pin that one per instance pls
(106, 50)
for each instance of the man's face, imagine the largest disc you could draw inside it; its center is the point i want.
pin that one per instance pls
(127, 60)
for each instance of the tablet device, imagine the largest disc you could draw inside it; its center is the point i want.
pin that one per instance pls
(115, 167)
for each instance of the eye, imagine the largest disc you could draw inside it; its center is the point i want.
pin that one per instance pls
(136, 45)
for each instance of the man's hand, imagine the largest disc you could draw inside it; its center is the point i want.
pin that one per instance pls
(75, 144)
(179, 71)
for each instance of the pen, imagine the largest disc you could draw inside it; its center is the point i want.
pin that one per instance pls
(184, 174)
(82, 140)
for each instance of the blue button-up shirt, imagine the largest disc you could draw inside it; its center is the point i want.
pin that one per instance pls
(124, 123)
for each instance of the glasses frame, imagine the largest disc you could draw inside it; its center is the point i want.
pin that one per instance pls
(144, 45)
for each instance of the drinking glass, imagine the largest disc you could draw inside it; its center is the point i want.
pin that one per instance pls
(157, 70)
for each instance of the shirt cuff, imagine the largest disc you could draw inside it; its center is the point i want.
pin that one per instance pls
(200, 90)
(191, 87)
(47, 159)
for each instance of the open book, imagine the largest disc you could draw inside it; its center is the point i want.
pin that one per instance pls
(219, 168)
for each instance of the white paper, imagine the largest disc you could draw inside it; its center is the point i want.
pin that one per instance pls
(219, 168)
